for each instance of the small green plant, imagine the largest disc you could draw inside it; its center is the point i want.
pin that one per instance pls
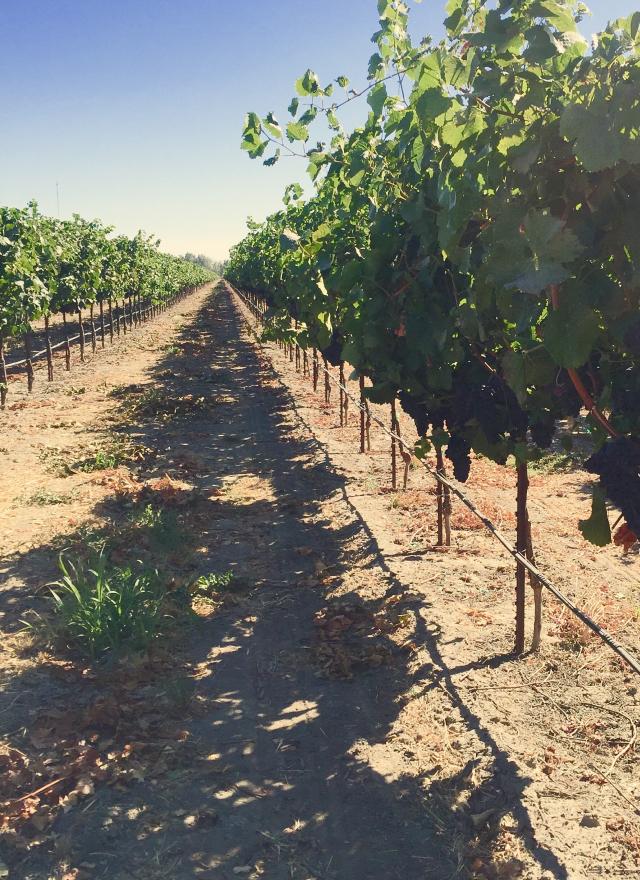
(164, 529)
(54, 462)
(44, 498)
(555, 462)
(101, 608)
(101, 461)
(179, 693)
(172, 349)
(115, 452)
(371, 483)
(154, 403)
(211, 585)
(88, 540)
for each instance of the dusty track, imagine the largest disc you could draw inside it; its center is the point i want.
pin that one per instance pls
(322, 742)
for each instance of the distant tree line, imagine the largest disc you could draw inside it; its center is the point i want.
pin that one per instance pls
(216, 266)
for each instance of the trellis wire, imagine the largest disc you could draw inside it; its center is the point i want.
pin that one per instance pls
(58, 345)
(606, 637)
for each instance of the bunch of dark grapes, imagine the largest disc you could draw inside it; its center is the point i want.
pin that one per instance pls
(333, 351)
(632, 338)
(625, 396)
(266, 296)
(420, 412)
(618, 466)
(542, 431)
(493, 405)
(416, 410)
(458, 452)
(565, 395)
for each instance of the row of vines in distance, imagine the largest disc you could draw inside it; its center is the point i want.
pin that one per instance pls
(50, 266)
(473, 247)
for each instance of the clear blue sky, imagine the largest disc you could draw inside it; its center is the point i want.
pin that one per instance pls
(135, 106)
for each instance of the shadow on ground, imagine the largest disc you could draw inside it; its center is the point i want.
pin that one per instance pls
(273, 786)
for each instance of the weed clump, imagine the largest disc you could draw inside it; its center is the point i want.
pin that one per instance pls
(100, 608)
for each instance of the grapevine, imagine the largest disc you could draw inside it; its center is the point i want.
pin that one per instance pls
(471, 248)
(65, 267)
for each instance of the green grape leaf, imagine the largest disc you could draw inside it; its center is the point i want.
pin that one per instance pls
(308, 84)
(606, 131)
(272, 125)
(272, 160)
(376, 98)
(596, 529)
(570, 334)
(296, 131)
(542, 247)
(289, 240)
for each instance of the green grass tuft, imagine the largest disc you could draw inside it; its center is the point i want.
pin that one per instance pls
(101, 608)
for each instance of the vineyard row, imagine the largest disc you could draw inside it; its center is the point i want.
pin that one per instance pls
(52, 267)
(313, 367)
(472, 249)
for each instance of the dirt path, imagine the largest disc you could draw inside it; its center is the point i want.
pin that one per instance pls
(327, 720)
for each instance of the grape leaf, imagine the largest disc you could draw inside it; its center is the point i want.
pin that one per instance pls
(570, 334)
(596, 529)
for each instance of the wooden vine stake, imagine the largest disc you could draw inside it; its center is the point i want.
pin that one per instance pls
(315, 369)
(394, 451)
(297, 349)
(327, 383)
(93, 329)
(363, 418)
(47, 341)
(81, 332)
(524, 545)
(67, 347)
(28, 363)
(367, 424)
(522, 540)
(444, 504)
(3, 375)
(102, 326)
(536, 586)
(305, 363)
(406, 456)
(344, 400)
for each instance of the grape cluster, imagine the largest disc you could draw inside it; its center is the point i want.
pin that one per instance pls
(632, 338)
(459, 454)
(542, 431)
(566, 399)
(618, 466)
(492, 405)
(293, 309)
(333, 351)
(421, 413)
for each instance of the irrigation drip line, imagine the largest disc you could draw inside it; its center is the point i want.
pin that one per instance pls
(606, 637)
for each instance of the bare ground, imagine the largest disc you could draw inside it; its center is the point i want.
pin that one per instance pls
(351, 708)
